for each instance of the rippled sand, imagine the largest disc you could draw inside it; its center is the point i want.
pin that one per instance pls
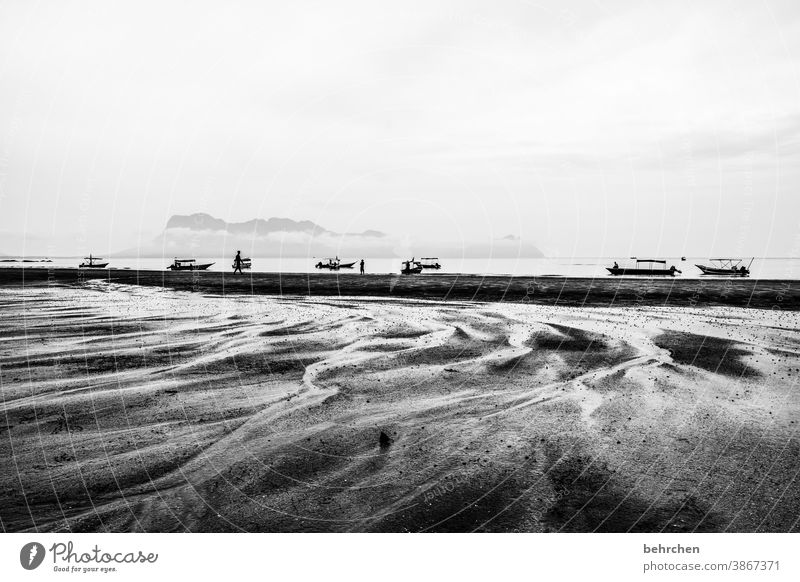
(139, 409)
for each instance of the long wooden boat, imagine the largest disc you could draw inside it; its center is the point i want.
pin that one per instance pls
(247, 263)
(430, 263)
(92, 264)
(411, 267)
(330, 264)
(188, 265)
(645, 268)
(334, 264)
(726, 268)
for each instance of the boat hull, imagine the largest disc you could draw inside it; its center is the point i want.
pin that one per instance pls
(95, 266)
(722, 272)
(190, 267)
(617, 271)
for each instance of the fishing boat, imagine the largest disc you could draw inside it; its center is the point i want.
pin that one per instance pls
(411, 267)
(92, 263)
(247, 263)
(430, 263)
(330, 264)
(334, 264)
(726, 268)
(645, 267)
(188, 265)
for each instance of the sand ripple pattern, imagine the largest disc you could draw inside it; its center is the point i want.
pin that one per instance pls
(139, 409)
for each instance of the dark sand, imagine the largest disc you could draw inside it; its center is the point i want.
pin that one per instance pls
(143, 409)
(602, 291)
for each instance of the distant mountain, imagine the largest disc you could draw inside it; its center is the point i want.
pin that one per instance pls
(204, 236)
(257, 226)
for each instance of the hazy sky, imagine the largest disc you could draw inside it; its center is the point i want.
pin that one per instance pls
(587, 128)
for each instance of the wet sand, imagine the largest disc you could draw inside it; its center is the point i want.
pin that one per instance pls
(598, 292)
(139, 408)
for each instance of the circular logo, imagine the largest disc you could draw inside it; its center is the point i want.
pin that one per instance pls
(31, 555)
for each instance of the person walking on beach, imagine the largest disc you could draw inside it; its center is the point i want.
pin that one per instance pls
(362, 266)
(237, 262)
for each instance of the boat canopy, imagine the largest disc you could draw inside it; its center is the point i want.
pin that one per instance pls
(732, 263)
(651, 261)
(185, 260)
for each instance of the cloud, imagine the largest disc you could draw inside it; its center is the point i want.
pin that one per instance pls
(495, 118)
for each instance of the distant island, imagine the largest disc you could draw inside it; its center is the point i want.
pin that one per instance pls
(201, 234)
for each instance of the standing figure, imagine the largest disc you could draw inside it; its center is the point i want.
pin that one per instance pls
(362, 266)
(237, 262)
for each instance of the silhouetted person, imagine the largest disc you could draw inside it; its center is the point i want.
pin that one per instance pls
(362, 266)
(616, 266)
(237, 262)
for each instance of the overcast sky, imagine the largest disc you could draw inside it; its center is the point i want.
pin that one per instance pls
(587, 128)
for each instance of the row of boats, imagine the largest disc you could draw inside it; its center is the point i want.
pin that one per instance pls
(408, 267)
(92, 262)
(640, 267)
(332, 264)
(658, 268)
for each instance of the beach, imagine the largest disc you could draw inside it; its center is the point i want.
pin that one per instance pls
(604, 291)
(175, 405)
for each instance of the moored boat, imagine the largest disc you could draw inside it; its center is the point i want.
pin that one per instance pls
(726, 268)
(334, 264)
(430, 263)
(188, 265)
(330, 264)
(247, 263)
(92, 263)
(411, 267)
(645, 268)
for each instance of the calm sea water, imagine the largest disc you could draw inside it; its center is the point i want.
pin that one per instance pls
(762, 268)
